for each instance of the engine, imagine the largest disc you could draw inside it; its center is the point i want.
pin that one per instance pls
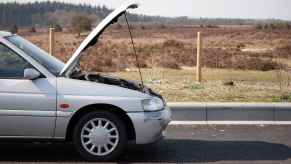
(112, 80)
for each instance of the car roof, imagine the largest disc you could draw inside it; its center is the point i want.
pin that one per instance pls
(5, 34)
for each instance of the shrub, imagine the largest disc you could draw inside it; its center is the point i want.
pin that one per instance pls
(254, 63)
(259, 27)
(58, 28)
(173, 43)
(211, 26)
(142, 63)
(273, 26)
(81, 23)
(162, 26)
(13, 29)
(32, 30)
(143, 27)
(169, 63)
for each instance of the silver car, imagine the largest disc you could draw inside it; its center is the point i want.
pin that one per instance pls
(43, 98)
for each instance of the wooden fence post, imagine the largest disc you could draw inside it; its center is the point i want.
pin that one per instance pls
(199, 54)
(52, 41)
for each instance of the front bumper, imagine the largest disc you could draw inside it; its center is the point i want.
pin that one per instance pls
(149, 126)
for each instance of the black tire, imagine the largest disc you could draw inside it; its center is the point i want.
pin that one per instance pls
(121, 130)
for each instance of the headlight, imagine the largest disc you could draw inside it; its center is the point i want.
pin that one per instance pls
(153, 104)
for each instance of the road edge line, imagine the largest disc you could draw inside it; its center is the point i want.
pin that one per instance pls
(230, 123)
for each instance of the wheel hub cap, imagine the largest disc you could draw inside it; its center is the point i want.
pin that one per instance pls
(99, 136)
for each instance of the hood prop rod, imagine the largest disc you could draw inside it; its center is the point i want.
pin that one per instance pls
(134, 49)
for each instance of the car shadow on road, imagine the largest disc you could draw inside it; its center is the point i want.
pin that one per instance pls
(174, 151)
(170, 151)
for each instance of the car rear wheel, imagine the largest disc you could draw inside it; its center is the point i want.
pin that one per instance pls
(100, 136)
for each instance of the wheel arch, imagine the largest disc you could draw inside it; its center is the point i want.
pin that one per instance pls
(104, 107)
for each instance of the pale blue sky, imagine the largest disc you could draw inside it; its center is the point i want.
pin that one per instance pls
(280, 9)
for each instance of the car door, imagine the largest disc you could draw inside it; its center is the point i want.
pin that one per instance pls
(27, 107)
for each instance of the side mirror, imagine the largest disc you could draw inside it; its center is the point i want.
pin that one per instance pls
(31, 74)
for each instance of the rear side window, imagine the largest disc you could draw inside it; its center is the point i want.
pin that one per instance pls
(12, 66)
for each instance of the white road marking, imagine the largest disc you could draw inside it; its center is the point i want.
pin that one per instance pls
(230, 123)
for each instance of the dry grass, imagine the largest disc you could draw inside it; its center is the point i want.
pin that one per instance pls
(256, 61)
(180, 85)
(228, 48)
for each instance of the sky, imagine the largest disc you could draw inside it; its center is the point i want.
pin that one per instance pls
(258, 9)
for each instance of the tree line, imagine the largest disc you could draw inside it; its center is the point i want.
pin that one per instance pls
(58, 13)
(43, 13)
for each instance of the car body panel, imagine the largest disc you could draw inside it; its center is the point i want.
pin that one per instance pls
(27, 108)
(79, 94)
(93, 36)
(150, 125)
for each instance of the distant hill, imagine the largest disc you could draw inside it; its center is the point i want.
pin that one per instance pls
(47, 13)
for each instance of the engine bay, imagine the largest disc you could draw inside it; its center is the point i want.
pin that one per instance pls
(113, 80)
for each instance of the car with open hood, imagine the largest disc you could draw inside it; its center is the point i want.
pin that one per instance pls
(42, 98)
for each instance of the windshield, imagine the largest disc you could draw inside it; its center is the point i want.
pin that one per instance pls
(49, 62)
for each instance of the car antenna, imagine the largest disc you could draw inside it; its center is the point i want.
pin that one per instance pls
(134, 49)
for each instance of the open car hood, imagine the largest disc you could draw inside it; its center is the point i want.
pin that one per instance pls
(92, 38)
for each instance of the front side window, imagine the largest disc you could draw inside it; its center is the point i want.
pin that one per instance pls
(11, 65)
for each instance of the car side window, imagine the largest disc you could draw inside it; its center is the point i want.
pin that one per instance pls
(12, 65)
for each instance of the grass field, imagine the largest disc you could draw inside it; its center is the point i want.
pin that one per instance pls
(249, 86)
(241, 64)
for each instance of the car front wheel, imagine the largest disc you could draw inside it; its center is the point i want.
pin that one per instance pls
(100, 136)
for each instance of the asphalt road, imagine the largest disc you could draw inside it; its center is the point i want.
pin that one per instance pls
(189, 144)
